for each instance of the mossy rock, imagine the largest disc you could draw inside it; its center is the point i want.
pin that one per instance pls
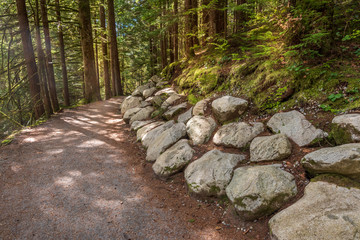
(340, 135)
(339, 180)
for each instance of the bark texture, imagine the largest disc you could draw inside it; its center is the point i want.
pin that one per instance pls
(92, 92)
(29, 59)
(48, 57)
(115, 64)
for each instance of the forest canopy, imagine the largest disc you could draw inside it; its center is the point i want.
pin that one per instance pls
(58, 54)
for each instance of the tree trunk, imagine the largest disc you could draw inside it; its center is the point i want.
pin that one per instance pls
(29, 59)
(115, 65)
(189, 21)
(194, 23)
(48, 57)
(205, 21)
(92, 92)
(176, 32)
(62, 56)
(163, 41)
(104, 47)
(240, 17)
(42, 66)
(218, 19)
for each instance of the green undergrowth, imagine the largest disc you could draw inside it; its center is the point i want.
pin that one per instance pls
(272, 77)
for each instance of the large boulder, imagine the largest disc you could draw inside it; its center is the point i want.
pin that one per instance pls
(295, 126)
(156, 101)
(139, 124)
(149, 137)
(210, 174)
(270, 148)
(174, 110)
(155, 79)
(200, 107)
(237, 134)
(145, 104)
(147, 128)
(200, 129)
(185, 117)
(149, 92)
(260, 190)
(143, 114)
(139, 90)
(165, 140)
(130, 113)
(130, 102)
(174, 159)
(326, 211)
(344, 160)
(228, 108)
(166, 92)
(170, 101)
(347, 126)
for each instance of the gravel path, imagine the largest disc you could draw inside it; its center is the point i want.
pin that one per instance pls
(70, 179)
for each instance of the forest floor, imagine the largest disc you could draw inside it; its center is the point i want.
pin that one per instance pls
(81, 175)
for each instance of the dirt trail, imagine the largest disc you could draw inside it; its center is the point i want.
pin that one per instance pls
(81, 176)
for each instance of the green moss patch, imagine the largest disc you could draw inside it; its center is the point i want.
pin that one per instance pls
(337, 179)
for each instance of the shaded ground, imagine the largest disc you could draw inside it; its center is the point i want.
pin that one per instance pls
(82, 176)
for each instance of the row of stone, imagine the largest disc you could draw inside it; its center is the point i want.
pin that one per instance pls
(212, 174)
(255, 191)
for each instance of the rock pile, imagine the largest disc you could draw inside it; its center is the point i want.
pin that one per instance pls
(327, 210)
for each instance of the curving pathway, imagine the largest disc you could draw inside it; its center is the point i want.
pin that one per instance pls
(78, 176)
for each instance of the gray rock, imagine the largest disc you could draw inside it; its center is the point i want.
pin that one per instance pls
(155, 79)
(174, 110)
(200, 129)
(295, 126)
(130, 113)
(237, 134)
(344, 160)
(260, 190)
(174, 159)
(145, 104)
(161, 84)
(326, 211)
(139, 124)
(228, 108)
(268, 148)
(143, 114)
(145, 129)
(130, 102)
(150, 136)
(170, 100)
(350, 123)
(149, 92)
(200, 107)
(166, 91)
(166, 139)
(139, 90)
(210, 174)
(156, 101)
(185, 117)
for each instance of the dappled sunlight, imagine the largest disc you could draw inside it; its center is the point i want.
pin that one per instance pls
(91, 143)
(65, 182)
(206, 234)
(54, 151)
(75, 173)
(108, 204)
(15, 167)
(29, 140)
